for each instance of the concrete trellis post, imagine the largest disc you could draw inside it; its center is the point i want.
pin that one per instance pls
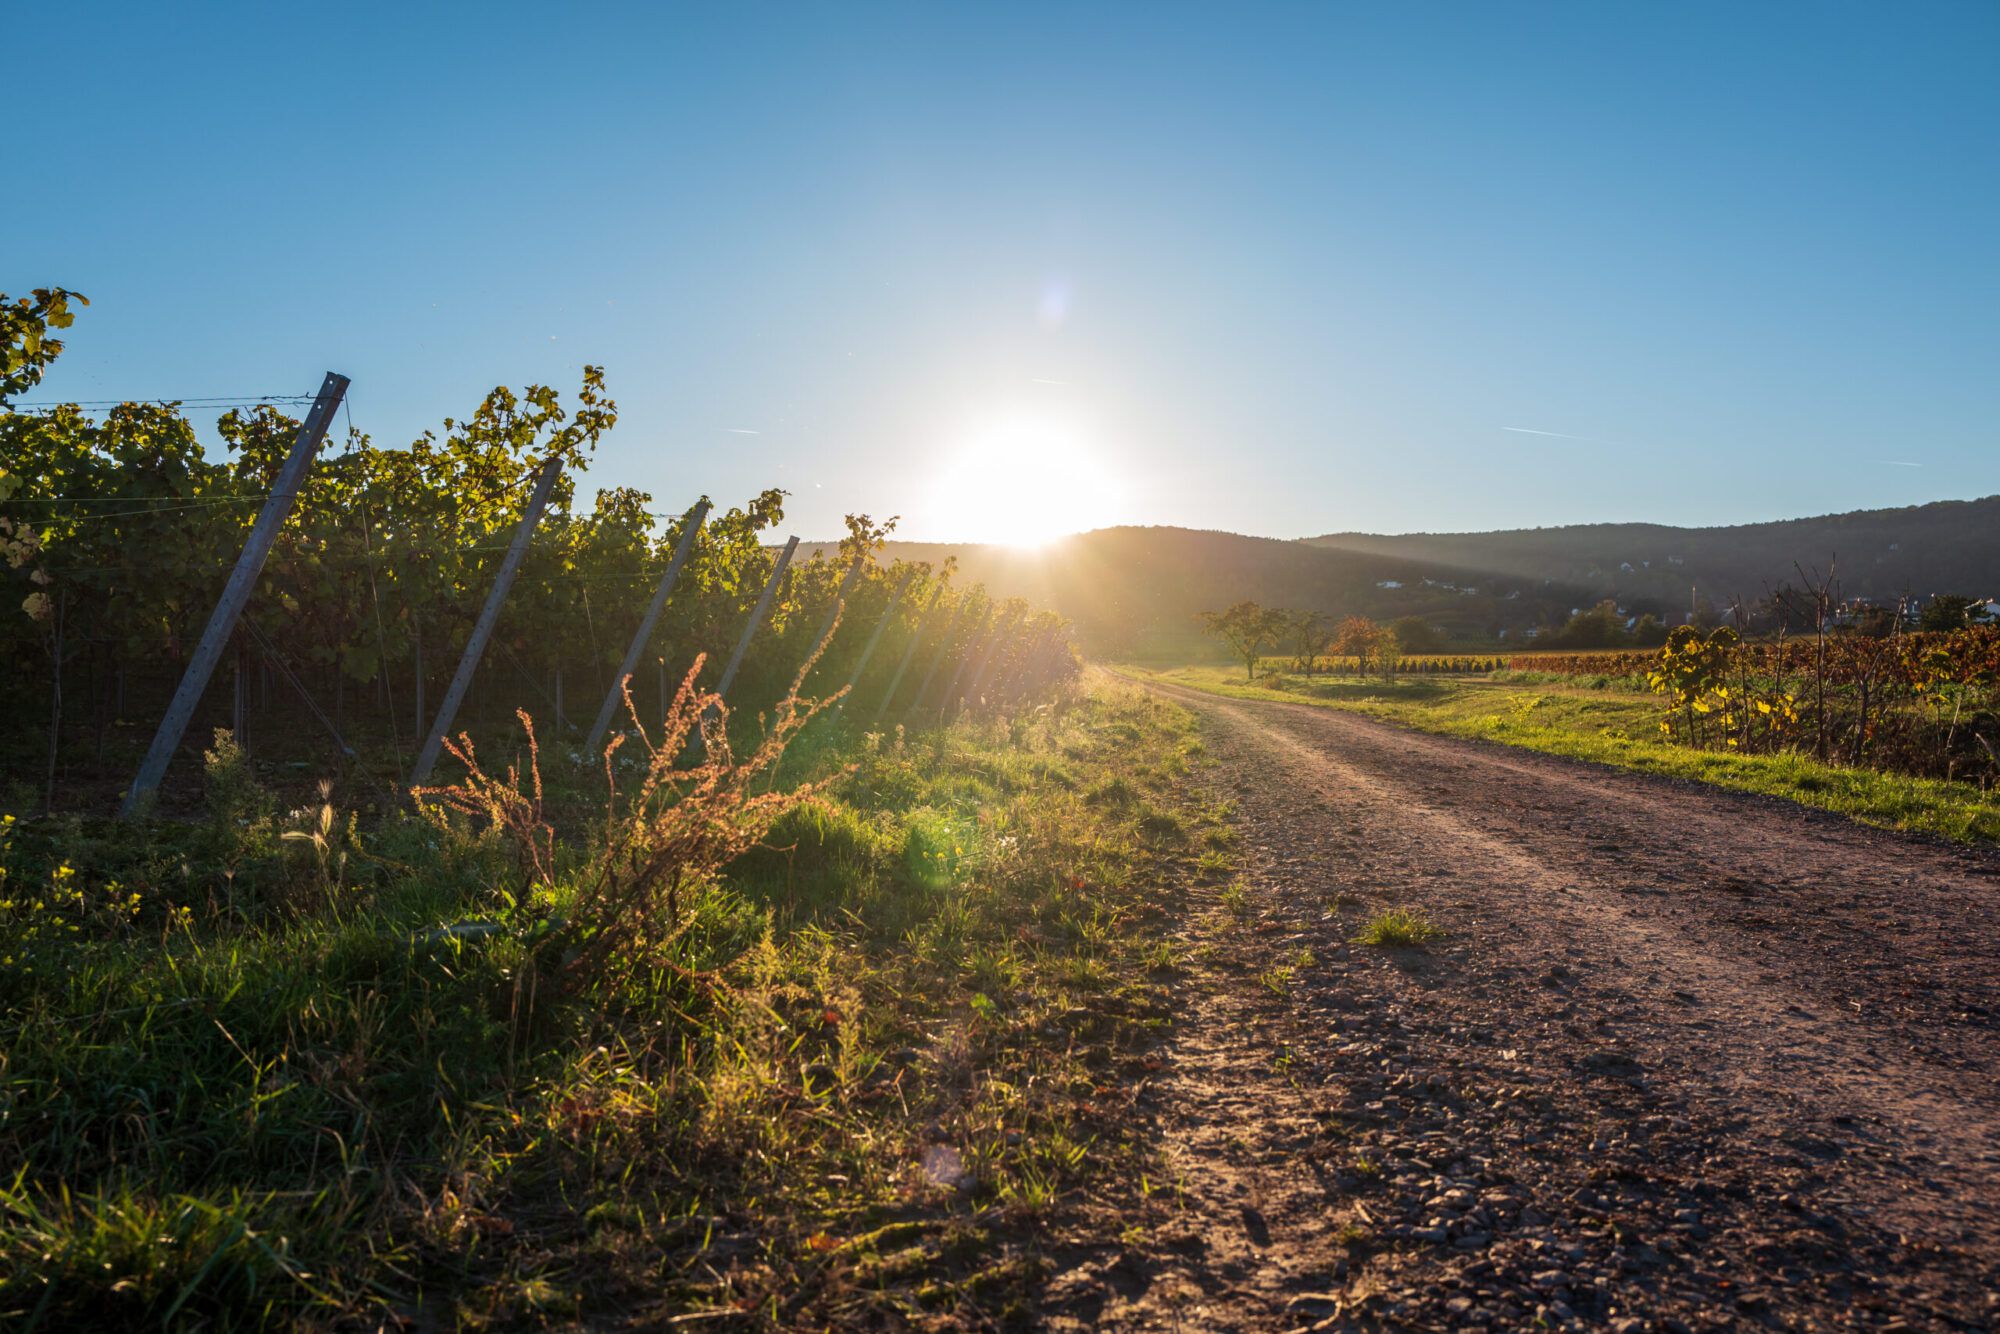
(690, 529)
(235, 594)
(1031, 675)
(839, 601)
(868, 649)
(1044, 663)
(756, 617)
(909, 652)
(489, 616)
(952, 626)
(1011, 681)
(973, 646)
(417, 651)
(987, 659)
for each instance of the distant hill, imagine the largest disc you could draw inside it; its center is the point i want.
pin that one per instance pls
(1134, 592)
(1948, 546)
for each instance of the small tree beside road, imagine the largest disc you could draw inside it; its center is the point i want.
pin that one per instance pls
(1249, 630)
(1371, 645)
(1307, 634)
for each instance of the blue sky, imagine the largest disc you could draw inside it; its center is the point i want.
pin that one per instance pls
(1277, 269)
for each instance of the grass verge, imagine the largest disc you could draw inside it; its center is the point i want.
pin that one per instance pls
(853, 1091)
(1617, 727)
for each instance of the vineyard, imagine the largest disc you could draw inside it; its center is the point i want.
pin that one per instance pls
(1924, 703)
(957, 669)
(1420, 664)
(1920, 703)
(121, 534)
(506, 876)
(1917, 660)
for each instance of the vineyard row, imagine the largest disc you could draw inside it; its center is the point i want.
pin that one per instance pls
(121, 537)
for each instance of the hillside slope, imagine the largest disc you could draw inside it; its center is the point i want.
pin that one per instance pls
(1135, 591)
(1946, 546)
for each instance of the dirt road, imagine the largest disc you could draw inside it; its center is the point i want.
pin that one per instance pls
(1684, 1058)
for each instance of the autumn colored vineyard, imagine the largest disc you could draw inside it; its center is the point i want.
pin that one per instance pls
(1918, 660)
(1421, 664)
(1919, 703)
(1925, 703)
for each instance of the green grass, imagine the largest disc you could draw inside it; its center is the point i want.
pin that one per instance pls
(1399, 928)
(267, 1100)
(1619, 727)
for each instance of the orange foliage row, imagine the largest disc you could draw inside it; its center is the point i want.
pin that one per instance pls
(1920, 661)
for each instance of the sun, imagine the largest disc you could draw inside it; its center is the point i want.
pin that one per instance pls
(1023, 482)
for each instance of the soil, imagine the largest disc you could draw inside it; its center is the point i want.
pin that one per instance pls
(1683, 1059)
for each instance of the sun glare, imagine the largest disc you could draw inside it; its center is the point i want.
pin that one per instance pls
(1025, 482)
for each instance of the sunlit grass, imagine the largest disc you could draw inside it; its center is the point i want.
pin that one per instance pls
(322, 1108)
(1620, 728)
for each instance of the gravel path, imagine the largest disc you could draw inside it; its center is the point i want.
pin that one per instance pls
(1685, 1058)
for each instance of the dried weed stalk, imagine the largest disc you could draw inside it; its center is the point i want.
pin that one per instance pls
(694, 809)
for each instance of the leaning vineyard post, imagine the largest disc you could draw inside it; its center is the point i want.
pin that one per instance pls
(975, 686)
(756, 618)
(689, 530)
(1014, 682)
(489, 615)
(953, 627)
(1007, 677)
(968, 656)
(235, 594)
(839, 602)
(868, 649)
(909, 652)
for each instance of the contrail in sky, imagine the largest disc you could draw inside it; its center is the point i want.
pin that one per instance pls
(1529, 430)
(1897, 463)
(740, 430)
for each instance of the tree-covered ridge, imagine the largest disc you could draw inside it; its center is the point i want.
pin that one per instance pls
(1946, 546)
(1138, 591)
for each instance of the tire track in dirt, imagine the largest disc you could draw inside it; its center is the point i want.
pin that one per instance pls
(1686, 1059)
(1833, 1064)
